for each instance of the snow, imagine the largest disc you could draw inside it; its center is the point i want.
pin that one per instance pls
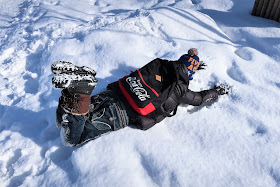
(232, 142)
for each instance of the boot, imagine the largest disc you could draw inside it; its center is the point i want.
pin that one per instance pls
(76, 79)
(83, 84)
(63, 67)
(74, 103)
(77, 84)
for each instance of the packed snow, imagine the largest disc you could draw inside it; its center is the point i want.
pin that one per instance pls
(232, 142)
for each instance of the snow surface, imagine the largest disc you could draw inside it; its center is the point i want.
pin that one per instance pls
(233, 142)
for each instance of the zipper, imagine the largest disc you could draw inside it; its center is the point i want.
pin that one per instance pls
(155, 92)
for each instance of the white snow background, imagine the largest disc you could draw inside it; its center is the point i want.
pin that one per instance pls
(233, 142)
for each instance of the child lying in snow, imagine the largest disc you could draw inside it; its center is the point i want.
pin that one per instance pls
(143, 98)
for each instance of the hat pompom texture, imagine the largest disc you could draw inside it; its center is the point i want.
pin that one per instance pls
(192, 51)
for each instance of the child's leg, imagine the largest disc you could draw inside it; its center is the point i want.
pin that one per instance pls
(106, 114)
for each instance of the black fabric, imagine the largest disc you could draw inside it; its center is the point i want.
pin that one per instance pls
(82, 87)
(150, 85)
(180, 95)
(146, 122)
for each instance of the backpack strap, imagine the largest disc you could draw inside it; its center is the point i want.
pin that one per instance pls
(177, 68)
(167, 114)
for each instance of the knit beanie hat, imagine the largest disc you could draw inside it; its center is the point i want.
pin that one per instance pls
(192, 52)
(191, 60)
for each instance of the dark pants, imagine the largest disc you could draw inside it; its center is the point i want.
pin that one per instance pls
(106, 114)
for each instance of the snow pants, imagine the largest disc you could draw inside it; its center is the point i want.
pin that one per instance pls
(106, 114)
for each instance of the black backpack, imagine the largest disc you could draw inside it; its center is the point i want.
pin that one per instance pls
(147, 88)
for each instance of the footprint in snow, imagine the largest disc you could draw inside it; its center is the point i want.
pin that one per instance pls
(258, 126)
(244, 53)
(236, 74)
(196, 2)
(31, 84)
(275, 175)
(12, 161)
(18, 180)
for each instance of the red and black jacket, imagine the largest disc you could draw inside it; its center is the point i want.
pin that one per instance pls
(174, 68)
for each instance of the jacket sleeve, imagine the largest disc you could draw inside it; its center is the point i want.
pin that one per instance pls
(182, 95)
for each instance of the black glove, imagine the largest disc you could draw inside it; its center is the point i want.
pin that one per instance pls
(201, 66)
(222, 88)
